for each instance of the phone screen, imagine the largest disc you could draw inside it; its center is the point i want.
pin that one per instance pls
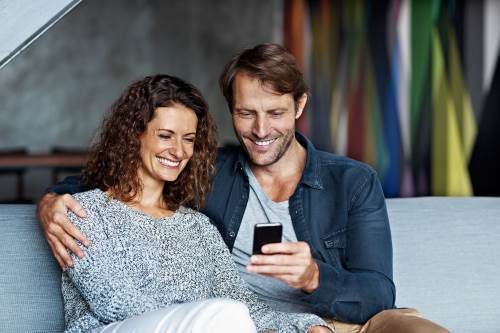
(266, 233)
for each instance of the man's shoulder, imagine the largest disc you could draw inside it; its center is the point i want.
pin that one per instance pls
(333, 162)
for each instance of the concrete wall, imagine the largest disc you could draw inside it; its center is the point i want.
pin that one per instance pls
(55, 92)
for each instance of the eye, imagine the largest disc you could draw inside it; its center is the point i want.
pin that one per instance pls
(189, 139)
(276, 114)
(245, 114)
(165, 136)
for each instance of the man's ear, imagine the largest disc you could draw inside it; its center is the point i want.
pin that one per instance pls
(301, 104)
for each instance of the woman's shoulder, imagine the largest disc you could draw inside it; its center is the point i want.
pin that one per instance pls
(93, 202)
(193, 215)
(88, 198)
(210, 234)
(197, 218)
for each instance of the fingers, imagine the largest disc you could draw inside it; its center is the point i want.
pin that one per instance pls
(273, 270)
(286, 248)
(70, 243)
(279, 259)
(291, 263)
(289, 279)
(58, 258)
(60, 252)
(69, 229)
(73, 205)
(64, 231)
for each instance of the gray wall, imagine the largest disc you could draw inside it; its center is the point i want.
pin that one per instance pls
(55, 92)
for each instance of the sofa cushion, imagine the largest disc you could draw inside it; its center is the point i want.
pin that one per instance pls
(30, 279)
(446, 260)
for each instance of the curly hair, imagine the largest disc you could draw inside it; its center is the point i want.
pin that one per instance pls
(115, 157)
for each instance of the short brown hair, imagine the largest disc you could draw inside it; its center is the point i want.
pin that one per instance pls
(271, 64)
(115, 157)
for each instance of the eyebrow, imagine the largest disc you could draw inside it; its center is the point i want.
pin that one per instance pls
(173, 132)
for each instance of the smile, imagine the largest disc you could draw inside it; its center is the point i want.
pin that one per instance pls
(264, 143)
(167, 162)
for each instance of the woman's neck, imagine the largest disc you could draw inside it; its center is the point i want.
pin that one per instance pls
(150, 199)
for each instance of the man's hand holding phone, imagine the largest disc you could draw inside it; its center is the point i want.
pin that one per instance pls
(290, 262)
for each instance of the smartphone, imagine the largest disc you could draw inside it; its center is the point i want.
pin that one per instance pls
(265, 233)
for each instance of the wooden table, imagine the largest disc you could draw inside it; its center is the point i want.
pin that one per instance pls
(43, 161)
(18, 163)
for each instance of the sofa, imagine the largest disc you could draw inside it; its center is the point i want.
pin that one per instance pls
(446, 264)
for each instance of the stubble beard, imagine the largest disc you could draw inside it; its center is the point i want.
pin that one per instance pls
(285, 142)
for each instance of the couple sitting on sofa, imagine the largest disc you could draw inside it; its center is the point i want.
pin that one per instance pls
(151, 262)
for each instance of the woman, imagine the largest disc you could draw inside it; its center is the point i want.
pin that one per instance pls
(153, 262)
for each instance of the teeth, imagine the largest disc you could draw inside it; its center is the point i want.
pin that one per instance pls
(168, 162)
(264, 143)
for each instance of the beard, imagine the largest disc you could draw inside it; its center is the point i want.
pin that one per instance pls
(274, 155)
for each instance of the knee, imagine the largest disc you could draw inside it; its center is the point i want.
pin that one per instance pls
(429, 328)
(404, 321)
(226, 306)
(226, 315)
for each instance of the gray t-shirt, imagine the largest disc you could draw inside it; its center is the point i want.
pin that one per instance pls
(261, 209)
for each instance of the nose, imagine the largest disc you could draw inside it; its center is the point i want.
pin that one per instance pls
(260, 127)
(177, 150)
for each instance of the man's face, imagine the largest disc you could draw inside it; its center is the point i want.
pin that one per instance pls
(263, 120)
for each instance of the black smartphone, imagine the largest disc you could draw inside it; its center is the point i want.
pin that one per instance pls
(265, 233)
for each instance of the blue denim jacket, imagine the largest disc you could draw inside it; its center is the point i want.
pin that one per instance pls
(338, 208)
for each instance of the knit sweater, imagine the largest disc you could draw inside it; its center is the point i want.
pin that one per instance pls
(136, 263)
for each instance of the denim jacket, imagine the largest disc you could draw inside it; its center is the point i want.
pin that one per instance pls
(338, 208)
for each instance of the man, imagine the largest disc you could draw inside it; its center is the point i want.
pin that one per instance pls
(336, 258)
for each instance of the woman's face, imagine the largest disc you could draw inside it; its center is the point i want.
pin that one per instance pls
(167, 144)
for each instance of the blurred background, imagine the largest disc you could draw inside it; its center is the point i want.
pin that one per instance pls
(410, 87)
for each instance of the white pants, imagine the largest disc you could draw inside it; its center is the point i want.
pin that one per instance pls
(216, 315)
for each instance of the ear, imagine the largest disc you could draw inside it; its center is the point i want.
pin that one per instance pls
(301, 104)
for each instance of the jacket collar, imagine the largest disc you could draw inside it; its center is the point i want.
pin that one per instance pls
(311, 174)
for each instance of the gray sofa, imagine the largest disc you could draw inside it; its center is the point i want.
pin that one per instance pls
(446, 264)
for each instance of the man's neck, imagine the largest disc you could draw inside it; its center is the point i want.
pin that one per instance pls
(280, 179)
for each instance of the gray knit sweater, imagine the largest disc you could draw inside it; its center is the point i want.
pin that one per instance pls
(136, 263)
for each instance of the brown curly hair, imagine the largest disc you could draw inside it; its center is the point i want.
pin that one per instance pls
(115, 157)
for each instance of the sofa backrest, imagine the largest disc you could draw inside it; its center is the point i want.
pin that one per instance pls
(30, 279)
(446, 264)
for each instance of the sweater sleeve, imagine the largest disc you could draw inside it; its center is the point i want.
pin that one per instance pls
(228, 283)
(101, 276)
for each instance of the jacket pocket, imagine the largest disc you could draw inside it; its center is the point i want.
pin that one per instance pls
(335, 244)
(336, 240)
